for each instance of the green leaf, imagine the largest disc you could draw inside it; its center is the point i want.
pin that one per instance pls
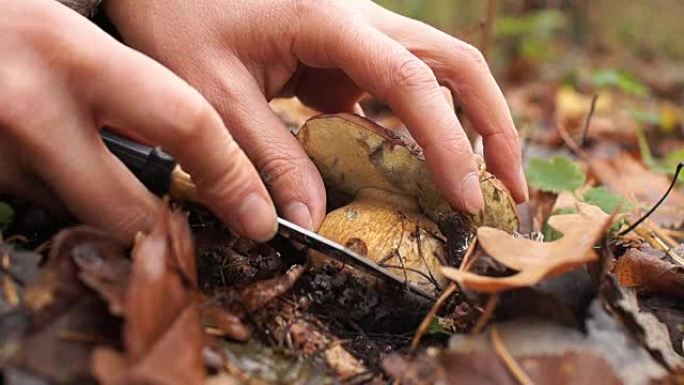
(606, 200)
(437, 328)
(620, 80)
(647, 117)
(6, 215)
(671, 160)
(551, 234)
(665, 165)
(555, 174)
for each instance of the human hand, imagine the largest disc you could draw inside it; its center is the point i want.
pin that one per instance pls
(241, 53)
(61, 79)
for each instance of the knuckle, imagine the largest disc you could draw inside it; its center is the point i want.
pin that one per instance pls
(277, 167)
(455, 144)
(232, 180)
(187, 117)
(126, 223)
(470, 53)
(411, 72)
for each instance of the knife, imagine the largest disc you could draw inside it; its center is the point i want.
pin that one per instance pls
(161, 174)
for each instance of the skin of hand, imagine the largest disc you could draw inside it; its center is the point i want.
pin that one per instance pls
(61, 79)
(242, 53)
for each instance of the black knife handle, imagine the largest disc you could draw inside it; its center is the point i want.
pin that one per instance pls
(152, 166)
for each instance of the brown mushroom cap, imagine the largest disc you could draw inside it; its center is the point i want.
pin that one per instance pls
(390, 230)
(353, 153)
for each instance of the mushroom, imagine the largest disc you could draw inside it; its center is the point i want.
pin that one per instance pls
(392, 210)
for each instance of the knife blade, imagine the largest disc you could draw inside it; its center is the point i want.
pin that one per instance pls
(155, 169)
(345, 255)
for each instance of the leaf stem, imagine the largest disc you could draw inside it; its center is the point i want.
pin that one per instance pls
(680, 165)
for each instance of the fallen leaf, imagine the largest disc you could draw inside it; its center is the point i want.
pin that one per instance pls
(606, 200)
(163, 337)
(547, 353)
(555, 174)
(649, 274)
(628, 177)
(486, 369)
(650, 331)
(67, 319)
(536, 260)
(105, 269)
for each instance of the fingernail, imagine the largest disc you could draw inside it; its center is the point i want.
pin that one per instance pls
(472, 194)
(300, 214)
(257, 218)
(523, 185)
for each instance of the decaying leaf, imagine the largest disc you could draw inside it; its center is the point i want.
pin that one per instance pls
(105, 269)
(547, 353)
(649, 274)
(255, 296)
(162, 333)
(353, 153)
(536, 260)
(628, 177)
(67, 319)
(650, 331)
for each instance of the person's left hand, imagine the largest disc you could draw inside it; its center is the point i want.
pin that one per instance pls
(242, 53)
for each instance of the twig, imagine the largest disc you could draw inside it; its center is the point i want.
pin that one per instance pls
(508, 359)
(488, 27)
(492, 301)
(654, 240)
(660, 201)
(572, 145)
(585, 130)
(425, 324)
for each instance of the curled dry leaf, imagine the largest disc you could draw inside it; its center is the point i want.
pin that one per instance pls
(536, 260)
(67, 319)
(162, 332)
(649, 274)
(104, 268)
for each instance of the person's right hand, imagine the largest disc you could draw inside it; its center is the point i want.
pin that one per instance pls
(61, 79)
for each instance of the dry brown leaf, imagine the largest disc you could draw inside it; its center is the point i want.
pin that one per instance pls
(627, 176)
(67, 319)
(162, 333)
(105, 269)
(569, 368)
(545, 351)
(536, 260)
(649, 274)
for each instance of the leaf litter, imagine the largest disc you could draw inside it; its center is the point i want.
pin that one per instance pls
(577, 301)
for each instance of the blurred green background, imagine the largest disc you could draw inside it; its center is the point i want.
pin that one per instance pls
(533, 28)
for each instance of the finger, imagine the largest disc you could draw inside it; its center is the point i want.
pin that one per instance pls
(90, 182)
(462, 68)
(387, 70)
(16, 179)
(165, 110)
(292, 178)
